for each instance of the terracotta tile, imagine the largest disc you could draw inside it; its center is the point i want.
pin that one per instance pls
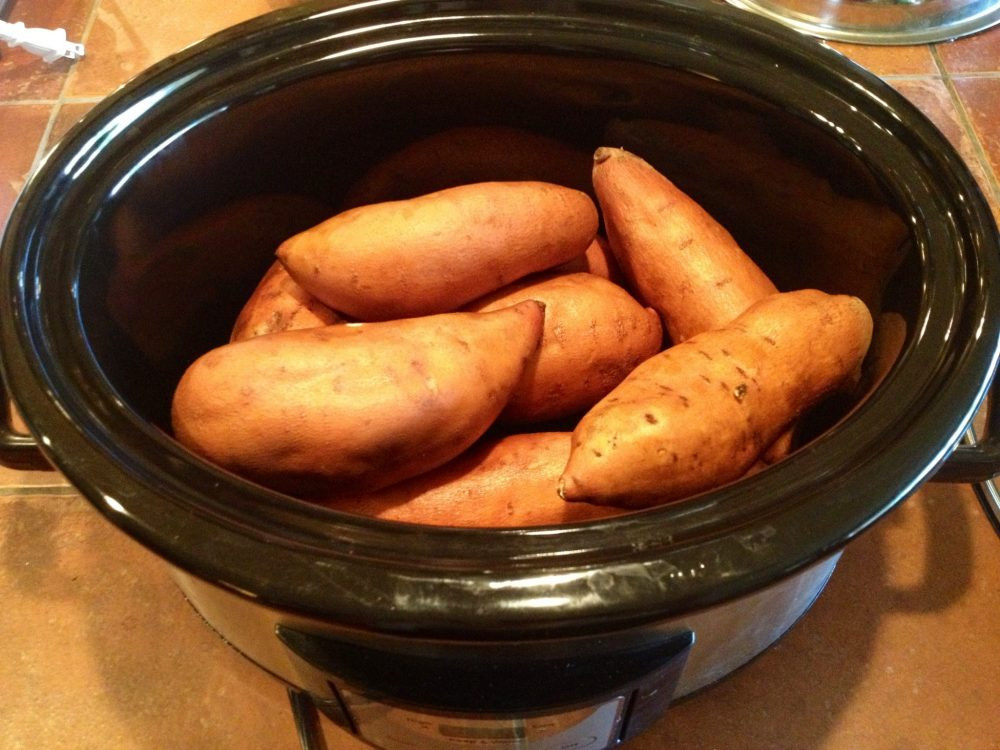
(21, 130)
(98, 648)
(16, 473)
(932, 97)
(901, 650)
(17, 423)
(128, 37)
(67, 116)
(17, 479)
(981, 98)
(887, 61)
(26, 76)
(22, 127)
(51, 14)
(972, 54)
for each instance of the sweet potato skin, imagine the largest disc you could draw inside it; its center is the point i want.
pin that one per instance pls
(595, 334)
(855, 245)
(436, 252)
(700, 413)
(596, 259)
(279, 304)
(505, 481)
(678, 259)
(356, 406)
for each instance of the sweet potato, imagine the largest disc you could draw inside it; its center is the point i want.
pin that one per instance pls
(700, 413)
(436, 252)
(499, 482)
(468, 154)
(595, 334)
(678, 257)
(358, 406)
(855, 243)
(279, 304)
(596, 259)
(679, 260)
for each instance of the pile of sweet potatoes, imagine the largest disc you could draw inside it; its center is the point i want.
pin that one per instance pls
(485, 347)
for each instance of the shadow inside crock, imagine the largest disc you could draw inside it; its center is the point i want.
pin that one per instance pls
(796, 693)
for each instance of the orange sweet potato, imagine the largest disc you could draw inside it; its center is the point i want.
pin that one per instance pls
(358, 406)
(499, 482)
(436, 252)
(595, 334)
(679, 260)
(745, 170)
(596, 259)
(700, 413)
(279, 304)
(688, 267)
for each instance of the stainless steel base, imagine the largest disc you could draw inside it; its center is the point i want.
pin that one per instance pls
(727, 635)
(880, 22)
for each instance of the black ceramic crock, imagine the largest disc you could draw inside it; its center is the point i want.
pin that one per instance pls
(113, 284)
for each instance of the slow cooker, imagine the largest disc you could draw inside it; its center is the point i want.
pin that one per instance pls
(134, 244)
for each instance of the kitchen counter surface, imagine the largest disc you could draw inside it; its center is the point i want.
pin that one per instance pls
(98, 649)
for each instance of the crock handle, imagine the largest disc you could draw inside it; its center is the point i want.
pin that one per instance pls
(976, 458)
(976, 461)
(16, 448)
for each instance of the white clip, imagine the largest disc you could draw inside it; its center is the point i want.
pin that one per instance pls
(49, 44)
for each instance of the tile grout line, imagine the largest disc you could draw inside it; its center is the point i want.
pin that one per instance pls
(40, 153)
(29, 102)
(47, 490)
(43, 143)
(987, 74)
(967, 125)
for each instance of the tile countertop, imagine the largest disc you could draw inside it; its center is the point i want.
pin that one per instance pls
(902, 650)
